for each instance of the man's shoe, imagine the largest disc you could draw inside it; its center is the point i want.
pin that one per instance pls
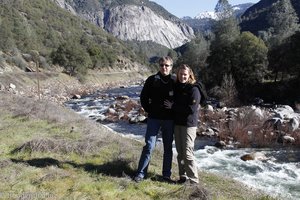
(137, 179)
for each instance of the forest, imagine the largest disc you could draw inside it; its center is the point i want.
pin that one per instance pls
(239, 67)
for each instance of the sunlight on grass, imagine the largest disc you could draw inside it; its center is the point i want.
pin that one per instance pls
(43, 159)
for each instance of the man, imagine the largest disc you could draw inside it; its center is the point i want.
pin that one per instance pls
(157, 89)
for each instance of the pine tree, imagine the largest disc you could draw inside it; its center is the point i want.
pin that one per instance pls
(226, 28)
(283, 21)
(226, 31)
(223, 10)
(195, 53)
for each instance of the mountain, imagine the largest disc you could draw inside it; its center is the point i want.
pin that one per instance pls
(133, 20)
(206, 15)
(203, 21)
(255, 18)
(40, 27)
(241, 8)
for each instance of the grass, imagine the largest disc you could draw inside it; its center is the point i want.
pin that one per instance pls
(49, 152)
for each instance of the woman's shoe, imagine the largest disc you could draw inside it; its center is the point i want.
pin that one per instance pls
(181, 181)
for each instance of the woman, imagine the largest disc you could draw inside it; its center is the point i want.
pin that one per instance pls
(186, 110)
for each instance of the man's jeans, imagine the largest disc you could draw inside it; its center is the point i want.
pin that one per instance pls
(153, 127)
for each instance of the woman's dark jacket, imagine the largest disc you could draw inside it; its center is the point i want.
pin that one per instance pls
(186, 104)
(156, 90)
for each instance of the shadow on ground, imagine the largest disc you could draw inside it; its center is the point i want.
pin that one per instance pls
(115, 168)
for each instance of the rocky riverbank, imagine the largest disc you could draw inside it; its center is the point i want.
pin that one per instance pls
(248, 126)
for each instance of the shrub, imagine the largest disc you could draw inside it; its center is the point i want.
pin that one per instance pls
(18, 61)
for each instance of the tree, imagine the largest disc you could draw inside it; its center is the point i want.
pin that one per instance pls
(223, 10)
(291, 56)
(95, 53)
(226, 28)
(283, 23)
(195, 53)
(6, 36)
(226, 31)
(249, 59)
(228, 92)
(72, 57)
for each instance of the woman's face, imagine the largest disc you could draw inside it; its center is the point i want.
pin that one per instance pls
(183, 75)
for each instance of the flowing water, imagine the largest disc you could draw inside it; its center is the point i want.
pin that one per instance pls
(279, 176)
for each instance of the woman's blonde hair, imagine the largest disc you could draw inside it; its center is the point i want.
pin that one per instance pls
(192, 78)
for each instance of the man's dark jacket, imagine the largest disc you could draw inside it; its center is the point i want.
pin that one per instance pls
(156, 90)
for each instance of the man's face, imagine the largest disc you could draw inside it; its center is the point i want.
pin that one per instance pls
(165, 68)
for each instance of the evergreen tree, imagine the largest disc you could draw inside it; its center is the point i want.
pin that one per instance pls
(226, 28)
(223, 10)
(283, 22)
(195, 53)
(226, 31)
(291, 56)
(6, 36)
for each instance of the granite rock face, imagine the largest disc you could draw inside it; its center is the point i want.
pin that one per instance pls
(134, 22)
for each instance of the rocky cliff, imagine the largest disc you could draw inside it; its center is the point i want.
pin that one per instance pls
(132, 21)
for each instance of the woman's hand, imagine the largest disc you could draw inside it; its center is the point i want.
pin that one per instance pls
(168, 104)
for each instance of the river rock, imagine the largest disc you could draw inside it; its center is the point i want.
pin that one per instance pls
(293, 124)
(12, 86)
(254, 156)
(288, 139)
(220, 144)
(209, 108)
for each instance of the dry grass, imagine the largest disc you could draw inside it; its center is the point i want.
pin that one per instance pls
(81, 147)
(245, 129)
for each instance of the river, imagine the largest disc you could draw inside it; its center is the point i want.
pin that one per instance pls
(279, 176)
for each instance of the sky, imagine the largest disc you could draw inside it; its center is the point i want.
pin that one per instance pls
(191, 8)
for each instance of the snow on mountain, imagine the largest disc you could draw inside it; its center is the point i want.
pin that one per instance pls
(206, 15)
(238, 10)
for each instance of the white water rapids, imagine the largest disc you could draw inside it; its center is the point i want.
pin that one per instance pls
(279, 176)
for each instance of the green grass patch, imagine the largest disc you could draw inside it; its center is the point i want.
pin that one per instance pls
(54, 154)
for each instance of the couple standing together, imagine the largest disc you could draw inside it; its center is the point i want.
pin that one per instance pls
(172, 107)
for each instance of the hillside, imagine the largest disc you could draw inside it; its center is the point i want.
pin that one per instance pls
(255, 18)
(59, 37)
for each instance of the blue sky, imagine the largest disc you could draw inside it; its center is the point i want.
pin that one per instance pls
(191, 8)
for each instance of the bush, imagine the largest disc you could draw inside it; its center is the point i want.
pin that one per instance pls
(17, 61)
(72, 57)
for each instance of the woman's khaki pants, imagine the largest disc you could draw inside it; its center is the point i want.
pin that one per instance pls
(184, 141)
